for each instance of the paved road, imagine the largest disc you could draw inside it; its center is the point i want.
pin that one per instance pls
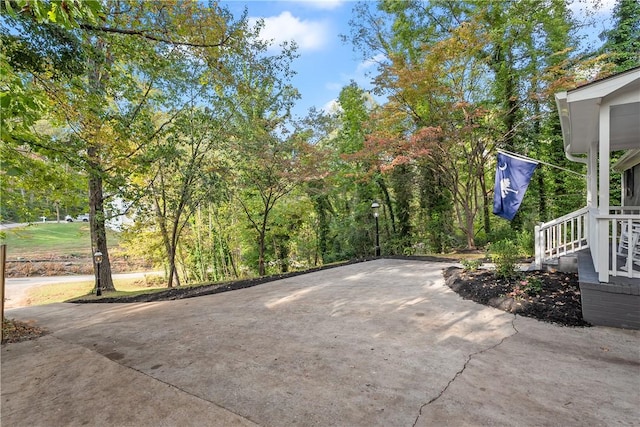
(379, 343)
(8, 226)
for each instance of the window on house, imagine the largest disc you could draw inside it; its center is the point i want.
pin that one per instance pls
(629, 182)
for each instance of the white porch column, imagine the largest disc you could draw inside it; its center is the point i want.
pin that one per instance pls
(603, 193)
(592, 175)
(592, 200)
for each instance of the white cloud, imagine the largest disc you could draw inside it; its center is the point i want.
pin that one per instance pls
(361, 74)
(365, 65)
(308, 35)
(324, 4)
(332, 107)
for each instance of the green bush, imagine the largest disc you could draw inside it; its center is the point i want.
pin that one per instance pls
(504, 254)
(526, 242)
(471, 264)
(501, 231)
(532, 286)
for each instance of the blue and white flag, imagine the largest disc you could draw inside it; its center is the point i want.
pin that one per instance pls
(512, 179)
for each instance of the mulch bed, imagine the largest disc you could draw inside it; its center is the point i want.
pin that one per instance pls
(552, 297)
(16, 331)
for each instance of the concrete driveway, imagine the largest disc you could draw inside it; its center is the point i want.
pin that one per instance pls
(377, 343)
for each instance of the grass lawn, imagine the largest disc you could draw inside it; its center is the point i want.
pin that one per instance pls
(51, 239)
(48, 294)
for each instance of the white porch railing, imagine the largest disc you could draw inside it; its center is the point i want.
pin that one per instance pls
(617, 252)
(614, 240)
(562, 236)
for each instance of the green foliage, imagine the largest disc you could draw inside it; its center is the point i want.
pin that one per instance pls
(435, 219)
(622, 42)
(236, 188)
(529, 287)
(501, 231)
(66, 13)
(471, 264)
(526, 242)
(34, 186)
(504, 254)
(532, 286)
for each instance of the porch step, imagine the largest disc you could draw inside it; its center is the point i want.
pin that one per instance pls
(565, 263)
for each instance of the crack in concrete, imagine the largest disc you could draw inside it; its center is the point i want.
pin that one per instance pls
(175, 387)
(166, 383)
(461, 371)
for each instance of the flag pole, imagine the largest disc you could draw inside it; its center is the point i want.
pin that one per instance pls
(522, 156)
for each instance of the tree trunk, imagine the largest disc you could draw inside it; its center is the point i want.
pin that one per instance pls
(469, 216)
(402, 185)
(97, 222)
(94, 166)
(173, 271)
(486, 201)
(171, 258)
(261, 238)
(387, 201)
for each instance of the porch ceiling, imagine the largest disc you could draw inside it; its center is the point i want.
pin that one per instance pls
(580, 113)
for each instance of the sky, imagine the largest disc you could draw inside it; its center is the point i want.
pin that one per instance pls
(325, 64)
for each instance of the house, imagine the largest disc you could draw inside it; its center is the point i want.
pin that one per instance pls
(597, 119)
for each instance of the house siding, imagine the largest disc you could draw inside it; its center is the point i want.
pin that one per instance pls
(611, 305)
(607, 304)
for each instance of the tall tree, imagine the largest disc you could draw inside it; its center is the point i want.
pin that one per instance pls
(622, 41)
(357, 175)
(129, 73)
(267, 158)
(478, 71)
(30, 172)
(183, 178)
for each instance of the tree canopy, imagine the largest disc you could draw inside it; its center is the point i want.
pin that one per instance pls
(177, 115)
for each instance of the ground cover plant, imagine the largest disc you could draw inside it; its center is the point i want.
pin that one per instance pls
(48, 294)
(550, 296)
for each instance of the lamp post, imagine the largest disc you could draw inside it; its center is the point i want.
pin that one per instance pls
(97, 257)
(375, 206)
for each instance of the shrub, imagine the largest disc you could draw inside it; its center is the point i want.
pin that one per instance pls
(471, 264)
(504, 254)
(526, 242)
(532, 286)
(502, 231)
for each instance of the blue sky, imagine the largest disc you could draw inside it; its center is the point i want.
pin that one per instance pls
(325, 64)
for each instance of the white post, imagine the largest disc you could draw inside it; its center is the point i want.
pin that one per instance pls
(538, 246)
(603, 200)
(592, 175)
(592, 201)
